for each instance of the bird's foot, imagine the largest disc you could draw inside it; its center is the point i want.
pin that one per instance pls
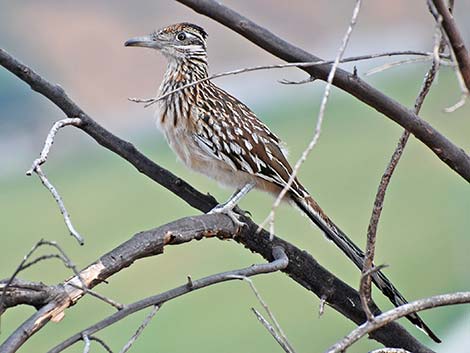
(229, 211)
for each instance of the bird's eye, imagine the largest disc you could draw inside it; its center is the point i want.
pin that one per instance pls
(181, 36)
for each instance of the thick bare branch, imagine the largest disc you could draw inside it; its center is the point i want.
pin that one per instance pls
(302, 268)
(19, 292)
(455, 38)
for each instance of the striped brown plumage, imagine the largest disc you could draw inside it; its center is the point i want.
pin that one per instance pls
(215, 134)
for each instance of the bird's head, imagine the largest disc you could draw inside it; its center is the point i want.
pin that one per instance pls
(178, 41)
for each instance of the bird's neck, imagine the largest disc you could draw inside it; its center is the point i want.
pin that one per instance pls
(181, 72)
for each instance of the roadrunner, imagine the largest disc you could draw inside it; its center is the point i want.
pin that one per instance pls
(217, 135)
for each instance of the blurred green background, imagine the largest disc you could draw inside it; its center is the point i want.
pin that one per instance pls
(423, 233)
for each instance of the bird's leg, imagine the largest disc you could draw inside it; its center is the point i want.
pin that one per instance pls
(237, 196)
(230, 204)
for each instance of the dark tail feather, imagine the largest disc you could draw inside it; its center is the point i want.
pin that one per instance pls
(333, 233)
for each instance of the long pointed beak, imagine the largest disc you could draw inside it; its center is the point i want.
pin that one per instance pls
(144, 41)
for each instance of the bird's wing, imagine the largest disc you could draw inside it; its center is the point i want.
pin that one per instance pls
(246, 144)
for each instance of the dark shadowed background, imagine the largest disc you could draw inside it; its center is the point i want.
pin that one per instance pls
(423, 234)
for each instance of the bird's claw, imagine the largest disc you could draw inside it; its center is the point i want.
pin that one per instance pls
(242, 212)
(234, 216)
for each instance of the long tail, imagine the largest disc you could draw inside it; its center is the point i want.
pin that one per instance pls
(314, 212)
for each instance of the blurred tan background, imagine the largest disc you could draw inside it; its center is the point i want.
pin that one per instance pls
(423, 234)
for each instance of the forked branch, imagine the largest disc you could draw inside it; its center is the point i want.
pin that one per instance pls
(36, 168)
(280, 261)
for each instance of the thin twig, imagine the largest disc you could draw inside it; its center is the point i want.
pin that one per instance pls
(140, 329)
(65, 259)
(321, 306)
(280, 262)
(440, 41)
(63, 255)
(60, 203)
(265, 306)
(366, 279)
(50, 141)
(461, 102)
(102, 343)
(272, 331)
(36, 167)
(391, 65)
(41, 258)
(365, 288)
(103, 298)
(18, 270)
(396, 313)
(298, 82)
(438, 56)
(190, 282)
(24, 264)
(439, 17)
(86, 340)
(149, 101)
(464, 92)
(270, 219)
(456, 41)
